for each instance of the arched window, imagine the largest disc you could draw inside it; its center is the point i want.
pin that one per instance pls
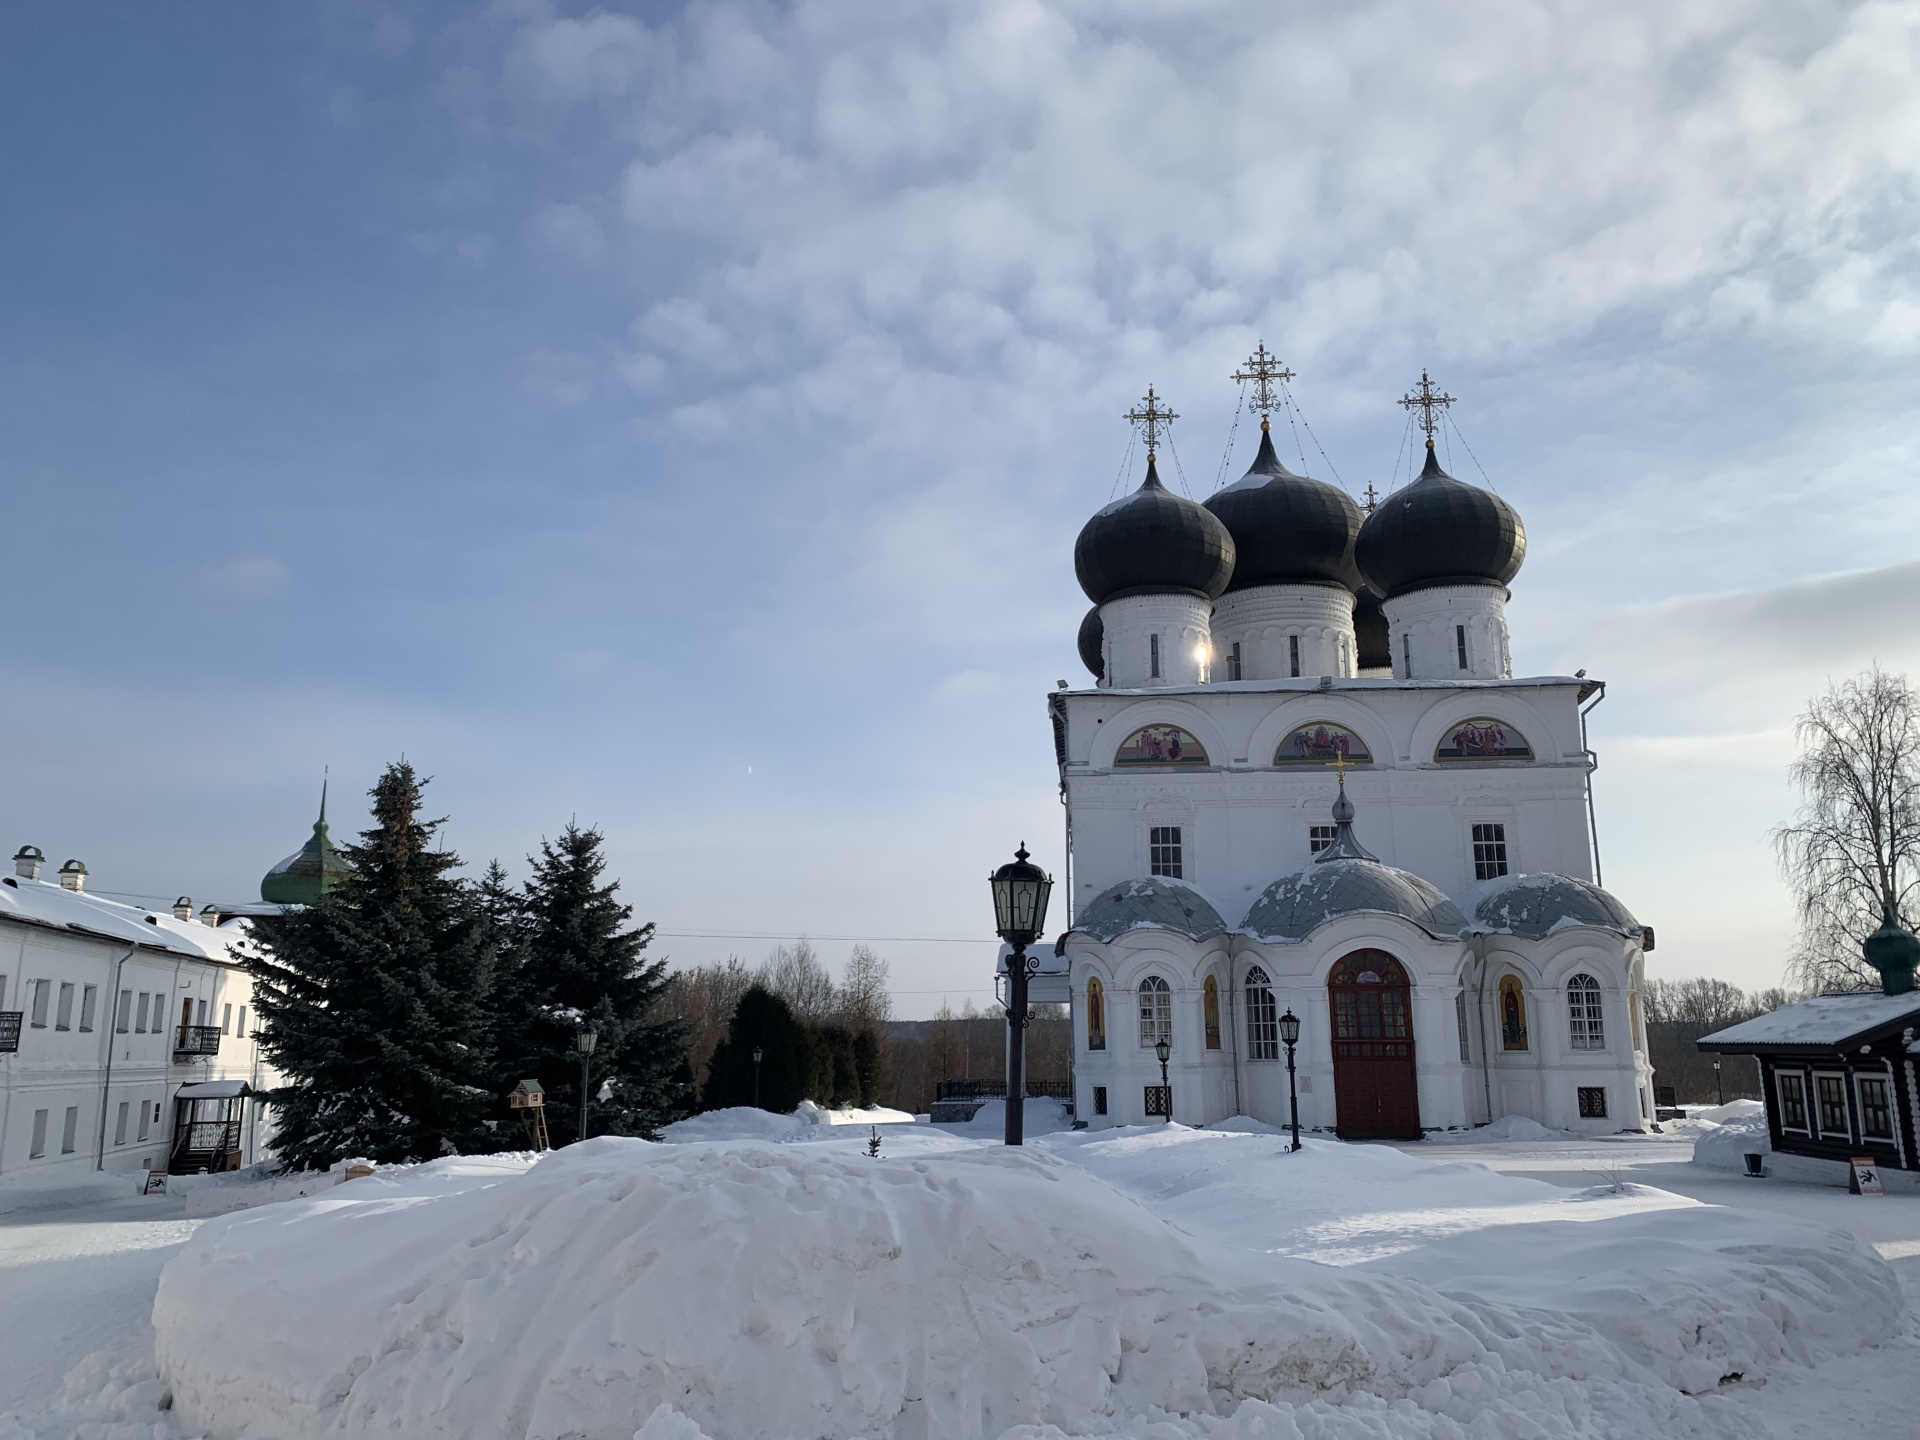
(1210, 1011)
(1096, 1014)
(1513, 1014)
(1156, 1011)
(1586, 1030)
(1369, 990)
(1263, 1017)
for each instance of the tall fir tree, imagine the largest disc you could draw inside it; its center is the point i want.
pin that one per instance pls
(578, 961)
(372, 1002)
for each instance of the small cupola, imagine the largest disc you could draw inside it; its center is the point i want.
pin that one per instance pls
(27, 861)
(183, 908)
(1894, 951)
(73, 876)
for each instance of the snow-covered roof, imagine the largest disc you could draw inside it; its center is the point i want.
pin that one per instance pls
(1536, 906)
(215, 1090)
(1825, 1021)
(36, 902)
(1152, 902)
(1296, 905)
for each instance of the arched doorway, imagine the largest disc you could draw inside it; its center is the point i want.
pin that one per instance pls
(1376, 1091)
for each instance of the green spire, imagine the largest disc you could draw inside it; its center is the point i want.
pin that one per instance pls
(311, 871)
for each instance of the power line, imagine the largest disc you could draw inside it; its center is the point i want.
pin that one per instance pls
(863, 939)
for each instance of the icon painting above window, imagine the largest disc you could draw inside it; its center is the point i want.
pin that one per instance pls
(1160, 745)
(1322, 743)
(1483, 739)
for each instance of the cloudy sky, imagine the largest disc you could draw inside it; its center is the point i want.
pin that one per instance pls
(679, 418)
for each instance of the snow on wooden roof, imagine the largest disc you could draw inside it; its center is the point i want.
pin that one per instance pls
(1824, 1022)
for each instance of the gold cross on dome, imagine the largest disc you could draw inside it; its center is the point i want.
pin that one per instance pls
(1340, 770)
(1373, 498)
(1153, 417)
(1263, 368)
(1423, 398)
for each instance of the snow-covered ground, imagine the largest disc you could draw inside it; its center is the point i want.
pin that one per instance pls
(784, 1282)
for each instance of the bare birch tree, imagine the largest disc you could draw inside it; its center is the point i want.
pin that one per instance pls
(1854, 847)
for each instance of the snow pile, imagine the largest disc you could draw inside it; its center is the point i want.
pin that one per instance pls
(744, 1290)
(1725, 1147)
(1732, 1110)
(745, 1122)
(1507, 1127)
(75, 1187)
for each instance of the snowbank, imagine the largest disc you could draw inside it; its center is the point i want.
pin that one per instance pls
(1732, 1110)
(79, 1187)
(1103, 1283)
(1509, 1127)
(1726, 1146)
(744, 1122)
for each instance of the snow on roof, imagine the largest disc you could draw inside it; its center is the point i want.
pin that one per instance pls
(36, 902)
(1152, 902)
(214, 1090)
(1536, 906)
(1296, 905)
(1825, 1020)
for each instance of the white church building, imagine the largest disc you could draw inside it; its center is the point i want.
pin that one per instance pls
(1307, 780)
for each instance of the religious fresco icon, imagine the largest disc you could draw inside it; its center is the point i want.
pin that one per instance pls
(1483, 739)
(1322, 744)
(1160, 745)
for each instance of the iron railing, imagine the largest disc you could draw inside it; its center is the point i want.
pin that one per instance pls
(192, 1040)
(10, 1030)
(997, 1089)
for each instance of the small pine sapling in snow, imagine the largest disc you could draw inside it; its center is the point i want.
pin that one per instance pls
(873, 1141)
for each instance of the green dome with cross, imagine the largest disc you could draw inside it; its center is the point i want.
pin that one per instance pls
(311, 871)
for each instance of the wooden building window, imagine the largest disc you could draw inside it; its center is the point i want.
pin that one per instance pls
(1830, 1095)
(1876, 1114)
(1792, 1090)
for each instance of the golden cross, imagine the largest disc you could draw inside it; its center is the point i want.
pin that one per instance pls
(1152, 417)
(1340, 770)
(1427, 402)
(1263, 368)
(1373, 498)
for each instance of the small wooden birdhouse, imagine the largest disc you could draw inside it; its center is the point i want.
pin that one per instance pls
(527, 1095)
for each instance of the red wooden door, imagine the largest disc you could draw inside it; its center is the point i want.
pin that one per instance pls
(1376, 1090)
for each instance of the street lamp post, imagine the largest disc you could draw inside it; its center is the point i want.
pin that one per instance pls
(1020, 892)
(758, 1056)
(1163, 1050)
(1289, 1035)
(1719, 1091)
(583, 1042)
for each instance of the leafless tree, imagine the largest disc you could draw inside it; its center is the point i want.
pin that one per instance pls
(705, 999)
(863, 999)
(1854, 847)
(795, 974)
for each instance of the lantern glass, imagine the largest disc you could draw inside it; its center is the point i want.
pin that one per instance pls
(1020, 893)
(1163, 1050)
(585, 1040)
(758, 1054)
(1289, 1027)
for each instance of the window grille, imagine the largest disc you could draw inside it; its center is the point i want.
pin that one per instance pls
(1293, 654)
(1163, 851)
(1593, 1102)
(1319, 837)
(1489, 851)
(1156, 1011)
(1586, 1029)
(1830, 1093)
(1876, 1115)
(1099, 1099)
(1792, 1090)
(1460, 644)
(1159, 1101)
(1263, 1017)
(1233, 662)
(1153, 656)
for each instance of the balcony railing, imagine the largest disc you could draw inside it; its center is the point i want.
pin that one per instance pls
(192, 1040)
(10, 1030)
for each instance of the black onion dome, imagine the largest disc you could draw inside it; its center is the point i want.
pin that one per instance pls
(1287, 529)
(1152, 542)
(1093, 636)
(1372, 636)
(1440, 531)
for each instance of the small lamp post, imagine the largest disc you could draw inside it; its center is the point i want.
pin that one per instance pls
(1163, 1050)
(1020, 892)
(583, 1042)
(1290, 1036)
(758, 1056)
(1719, 1091)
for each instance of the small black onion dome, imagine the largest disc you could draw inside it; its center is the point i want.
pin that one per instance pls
(1372, 636)
(1440, 531)
(1287, 529)
(1093, 635)
(1153, 542)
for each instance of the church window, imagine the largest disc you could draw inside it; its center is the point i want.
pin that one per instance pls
(1233, 662)
(1830, 1093)
(1156, 1011)
(1153, 656)
(1587, 1031)
(1293, 654)
(1099, 1099)
(1319, 837)
(1593, 1102)
(1876, 1116)
(1489, 851)
(1513, 1014)
(1460, 644)
(1263, 1017)
(1792, 1089)
(1210, 1011)
(1163, 851)
(1460, 1024)
(1096, 1014)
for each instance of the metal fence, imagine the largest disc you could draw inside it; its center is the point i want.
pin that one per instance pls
(997, 1089)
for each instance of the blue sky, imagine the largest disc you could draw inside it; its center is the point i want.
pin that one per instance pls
(593, 403)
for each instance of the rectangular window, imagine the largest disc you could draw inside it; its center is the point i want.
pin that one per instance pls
(1489, 851)
(1263, 1020)
(1153, 656)
(3, 992)
(1293, 654)
(1830, 1094)
(242, 1031)
(200, 1018)
(1593, 1102)
(120, 1123)
(89, 998)
(1460, 644)
(1319, 837)
(39, 1146)
(143, 1121)
(1159, 1101)
(1876, 1115)
(63, 1015)
(70, 1130)
(1406, 654)
(226, 1020)
(41, 990)
(140, 1020)
(1099, 1099)
(1233, 673)
(1460, 1024)
(1163, 851)
(125, 1014)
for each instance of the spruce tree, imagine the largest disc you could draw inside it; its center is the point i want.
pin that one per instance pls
(761, 1021)
(372, 1001)
(577, 961)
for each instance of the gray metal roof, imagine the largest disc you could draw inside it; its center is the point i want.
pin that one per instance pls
(1535, 906)
(1154, 902)
(1296, 905)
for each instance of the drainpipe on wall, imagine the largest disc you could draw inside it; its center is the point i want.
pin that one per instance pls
(112, 1028)
(1233, 1033)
